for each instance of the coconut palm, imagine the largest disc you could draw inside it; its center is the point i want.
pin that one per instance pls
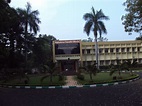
(94, 23)
(90, 69)
(51, 70)
(29, 21)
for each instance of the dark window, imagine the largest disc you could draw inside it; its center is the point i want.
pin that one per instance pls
(133, 49)
(117, 50)
(83, 51)
(122, 49)
(100, 50)
(88, 51)
(111, 50)
(138, 49)
(128, 49)
(67, 48)
(106, 50)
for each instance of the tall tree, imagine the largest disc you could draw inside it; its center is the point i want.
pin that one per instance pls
(94, 23)
(132, 20)
(42, 50)
(29, 21)
(10, 30)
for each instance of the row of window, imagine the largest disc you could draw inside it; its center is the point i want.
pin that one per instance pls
(133, 44)
(107, 62)
(112, 50)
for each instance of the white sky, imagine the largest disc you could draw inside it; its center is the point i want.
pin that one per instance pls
(64, 18)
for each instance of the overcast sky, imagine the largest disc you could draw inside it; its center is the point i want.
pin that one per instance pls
(64, 18)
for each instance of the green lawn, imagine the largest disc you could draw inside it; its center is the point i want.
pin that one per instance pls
(104, 77)
(35, 80)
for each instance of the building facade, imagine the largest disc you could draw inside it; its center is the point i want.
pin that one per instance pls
(70, 54)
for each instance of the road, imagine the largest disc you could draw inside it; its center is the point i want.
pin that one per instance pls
(129, 94)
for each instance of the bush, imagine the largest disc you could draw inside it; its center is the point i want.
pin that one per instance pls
(81, 77)
(114, 78)
(61, 77)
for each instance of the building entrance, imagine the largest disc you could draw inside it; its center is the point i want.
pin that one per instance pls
(68, 67)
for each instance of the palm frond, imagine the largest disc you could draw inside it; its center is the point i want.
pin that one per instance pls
(100, 15)
(88, 16)
(102, 27)
(93, 11)
(111, 72)
(87, 27)
(44, 78)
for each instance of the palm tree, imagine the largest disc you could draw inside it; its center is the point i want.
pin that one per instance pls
(29, 21)
(94, 22)
(90, 69)
(51, 70)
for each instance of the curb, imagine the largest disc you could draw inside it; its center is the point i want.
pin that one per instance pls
(65, 87)
(122, 71)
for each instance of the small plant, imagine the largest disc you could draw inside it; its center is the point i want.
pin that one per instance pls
(61, 77)
(81, 77)
(114, 77)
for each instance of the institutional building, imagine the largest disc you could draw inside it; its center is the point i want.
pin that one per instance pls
(70, 54)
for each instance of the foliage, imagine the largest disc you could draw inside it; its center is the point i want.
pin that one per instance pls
(91, 69)
(127, 65)
(132, 20)
(50, 70)
(17, 40)
(118, 68)
(102, 39)
(29, 22)
(42, 50)
(94, 23)
(139, 38)
(131, 64)
(81, 77)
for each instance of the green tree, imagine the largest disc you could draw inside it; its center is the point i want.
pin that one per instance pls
(91, 69)
(29, 21)
(51, 70)
(130, 65)
(132, 20)
(10, 31)
(94, 23)
(42, 50)
(139, 38)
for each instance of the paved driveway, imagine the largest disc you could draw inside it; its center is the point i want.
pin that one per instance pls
(119, 95)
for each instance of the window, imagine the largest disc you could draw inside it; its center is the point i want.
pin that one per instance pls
(83, 51)
(128, 49)
(138, 49)
(111, 50)
(67, 48)
(106, 50)
(133, 49)
(100, 50)
(88, 51)
(122, 49)
(117, 50)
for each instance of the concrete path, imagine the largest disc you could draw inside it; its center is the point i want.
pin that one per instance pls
(70, 81)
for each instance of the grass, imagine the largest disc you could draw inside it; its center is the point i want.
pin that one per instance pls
(104, 78)
(35, 80)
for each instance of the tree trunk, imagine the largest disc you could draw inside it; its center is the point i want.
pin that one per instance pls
(96, 52)
(91, 76)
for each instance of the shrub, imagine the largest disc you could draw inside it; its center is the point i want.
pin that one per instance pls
(114, 77)
(81, 77)
(61, 77)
